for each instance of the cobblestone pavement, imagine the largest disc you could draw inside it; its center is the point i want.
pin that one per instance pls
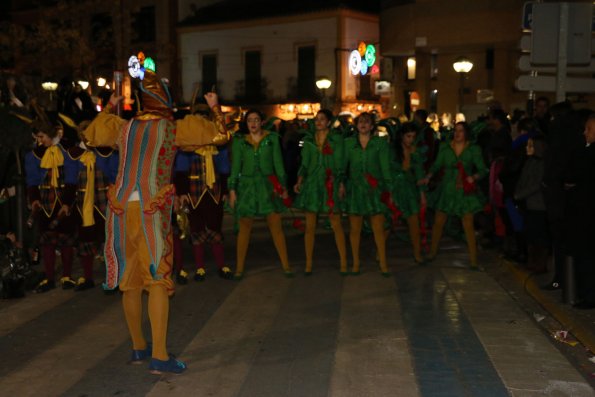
(433, 330)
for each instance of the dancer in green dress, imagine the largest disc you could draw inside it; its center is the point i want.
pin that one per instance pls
(368, 186)
(257, 187)
(409, 191)
(457, 194)
(319, 176)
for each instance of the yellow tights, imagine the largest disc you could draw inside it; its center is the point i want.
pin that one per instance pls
(158, 316)
(467, 220)
(245, 228)
(355, 229)
(309, 237)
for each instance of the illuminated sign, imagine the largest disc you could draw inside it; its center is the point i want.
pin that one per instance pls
(362, 60)
(134, 67)
(355, 62)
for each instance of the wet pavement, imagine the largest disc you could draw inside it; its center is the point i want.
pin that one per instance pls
(433, 330)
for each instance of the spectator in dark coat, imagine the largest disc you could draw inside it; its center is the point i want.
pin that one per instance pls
(580, 185)
(564, 132)
(529, 190)
(509, 176)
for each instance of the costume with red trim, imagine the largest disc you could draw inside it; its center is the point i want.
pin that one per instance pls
(138, 248)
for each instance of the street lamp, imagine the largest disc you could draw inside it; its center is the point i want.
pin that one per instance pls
(462, 66)
(323, 83)
(49, 86)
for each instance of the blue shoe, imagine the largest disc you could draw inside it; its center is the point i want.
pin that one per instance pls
(158, 367)
(138, 356)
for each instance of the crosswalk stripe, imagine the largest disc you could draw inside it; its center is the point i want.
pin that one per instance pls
(20, 312)
(221, 354)
(61, 365)
(372, 356)
(524, 358)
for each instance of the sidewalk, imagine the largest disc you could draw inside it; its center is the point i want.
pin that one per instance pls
(581, 323)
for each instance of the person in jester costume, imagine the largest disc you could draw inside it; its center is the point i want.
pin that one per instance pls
(138, 248)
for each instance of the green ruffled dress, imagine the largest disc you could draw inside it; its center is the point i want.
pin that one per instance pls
(449, 196)
(406, 193)
(316, 160)
(252, 164)
(362, 168)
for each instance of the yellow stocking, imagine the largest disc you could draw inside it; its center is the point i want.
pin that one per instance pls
(274, 222)
(355, 230)
(339, 240)
(439, 221)
(377, 222)
(245, 227)
(309, 239)
(158, 315)
(132, 301)
(414, 235)
(470, 236)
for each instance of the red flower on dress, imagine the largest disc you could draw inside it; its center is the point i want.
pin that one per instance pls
(327, 150)
(278, 190)
(468, 187)
(328, 183)
(373, 182)
(385, 197)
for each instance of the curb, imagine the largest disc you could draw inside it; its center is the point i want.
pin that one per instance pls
(572, 325)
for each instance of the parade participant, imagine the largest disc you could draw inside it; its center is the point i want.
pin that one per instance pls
(317, 187)
(201, 186)
(96, 169)
(407, 192)
(257, 187)
(138, 247)
(368, 187)
(457, 193)
(51, 197)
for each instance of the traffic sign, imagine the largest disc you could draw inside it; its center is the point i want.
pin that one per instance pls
(548, 84)
(527, 22)
(526, 66)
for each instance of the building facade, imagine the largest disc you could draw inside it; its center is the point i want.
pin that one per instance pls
(273, 60)
(431, 35)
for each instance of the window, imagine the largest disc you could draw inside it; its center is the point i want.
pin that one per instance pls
(209, 72)
(434, 66)
(307, 72)
(252, 74)
(411, 68)
(143, 25)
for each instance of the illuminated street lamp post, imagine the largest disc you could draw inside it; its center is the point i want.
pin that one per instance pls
(323, 83)
(50, 86)
(462, 66)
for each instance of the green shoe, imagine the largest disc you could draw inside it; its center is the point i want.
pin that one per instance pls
(385, 274)
(238, 276)
(353, 273)
(289, 273)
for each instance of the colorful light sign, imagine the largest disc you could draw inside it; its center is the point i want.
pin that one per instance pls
(362, 60)
(149, 64)
(134, 67)
(370, 55)
(355, 62)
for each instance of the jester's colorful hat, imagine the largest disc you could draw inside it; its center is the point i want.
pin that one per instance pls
(155, 91)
